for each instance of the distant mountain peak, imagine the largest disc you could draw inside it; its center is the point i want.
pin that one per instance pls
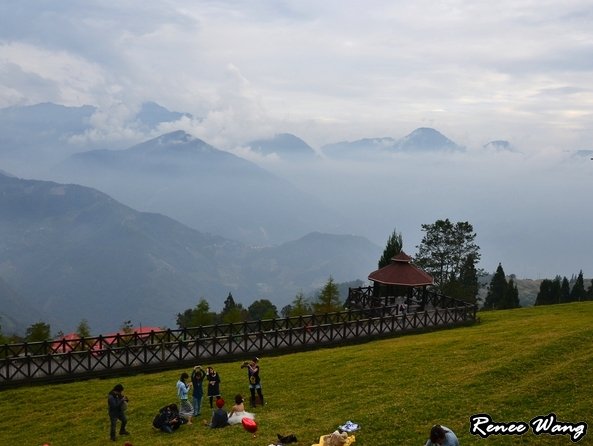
(282, 144)
(178, 136)
(426, 139)
(423, 139)
(499, 145)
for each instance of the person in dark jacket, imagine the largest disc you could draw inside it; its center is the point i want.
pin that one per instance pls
(254, 381)
(168, 419)
(213, 379)
(219, 417)
(197, 378)
(117, 404)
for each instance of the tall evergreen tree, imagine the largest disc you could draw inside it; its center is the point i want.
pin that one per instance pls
(590, 291)
(511, 296)
(496, 290)
(578, 293)
(83, 330)
(329, 298)
(392, 248)
(556, 290)
(550, 292)
(545, 291)
(300, 306)
(232, 312)
(564, 291)
(468, 279)
(39, 331)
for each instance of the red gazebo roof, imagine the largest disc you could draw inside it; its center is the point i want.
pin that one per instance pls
(401, 272)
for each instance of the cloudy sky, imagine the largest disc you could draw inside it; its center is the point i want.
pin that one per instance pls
(519, 70)
(336, 70)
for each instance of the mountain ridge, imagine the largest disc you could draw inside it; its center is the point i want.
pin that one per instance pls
(422, 139)
(229, 195)
(73, 252)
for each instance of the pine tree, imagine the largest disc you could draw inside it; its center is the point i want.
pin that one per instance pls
(39, 331)
(83, 330)
(550, 292)
(328, 300)
(468, 279)
(511, 296)
(496, 290)
(578, 293)
(393, 248)
(556, 290)
(232, 312)
(564, 291)
(589, 295)
(545, 291)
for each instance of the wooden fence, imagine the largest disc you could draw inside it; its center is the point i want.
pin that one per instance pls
(70, 359)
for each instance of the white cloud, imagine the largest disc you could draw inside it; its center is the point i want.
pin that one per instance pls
(519, 70)
(351, 68)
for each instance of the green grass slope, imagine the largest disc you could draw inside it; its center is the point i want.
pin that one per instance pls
(514, 365)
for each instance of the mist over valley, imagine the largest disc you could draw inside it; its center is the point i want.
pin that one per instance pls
(142, 224)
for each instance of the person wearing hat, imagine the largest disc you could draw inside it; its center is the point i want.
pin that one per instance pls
(442, 436)
(219, 416)
(254, 380)
(116, 402)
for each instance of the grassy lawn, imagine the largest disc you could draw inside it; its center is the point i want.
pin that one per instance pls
(514, 365)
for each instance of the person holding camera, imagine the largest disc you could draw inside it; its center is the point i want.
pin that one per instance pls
(185, 408)
(254, 380)
(116, 405)
(197, 378)
(168, 419)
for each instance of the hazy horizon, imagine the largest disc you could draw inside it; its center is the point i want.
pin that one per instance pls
(518, 71)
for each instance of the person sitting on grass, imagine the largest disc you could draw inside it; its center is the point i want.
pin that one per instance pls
(219, 416)
(168, 419)
(237, 412)
(442, 436)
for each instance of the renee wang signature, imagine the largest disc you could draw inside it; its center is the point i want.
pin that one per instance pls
(483, 425)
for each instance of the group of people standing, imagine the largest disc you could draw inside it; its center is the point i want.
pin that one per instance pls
(219, 418)
(171, 417)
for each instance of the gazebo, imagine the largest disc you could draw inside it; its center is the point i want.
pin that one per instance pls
(401, 278)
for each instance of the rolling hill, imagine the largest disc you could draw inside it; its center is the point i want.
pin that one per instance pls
(72, 252)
